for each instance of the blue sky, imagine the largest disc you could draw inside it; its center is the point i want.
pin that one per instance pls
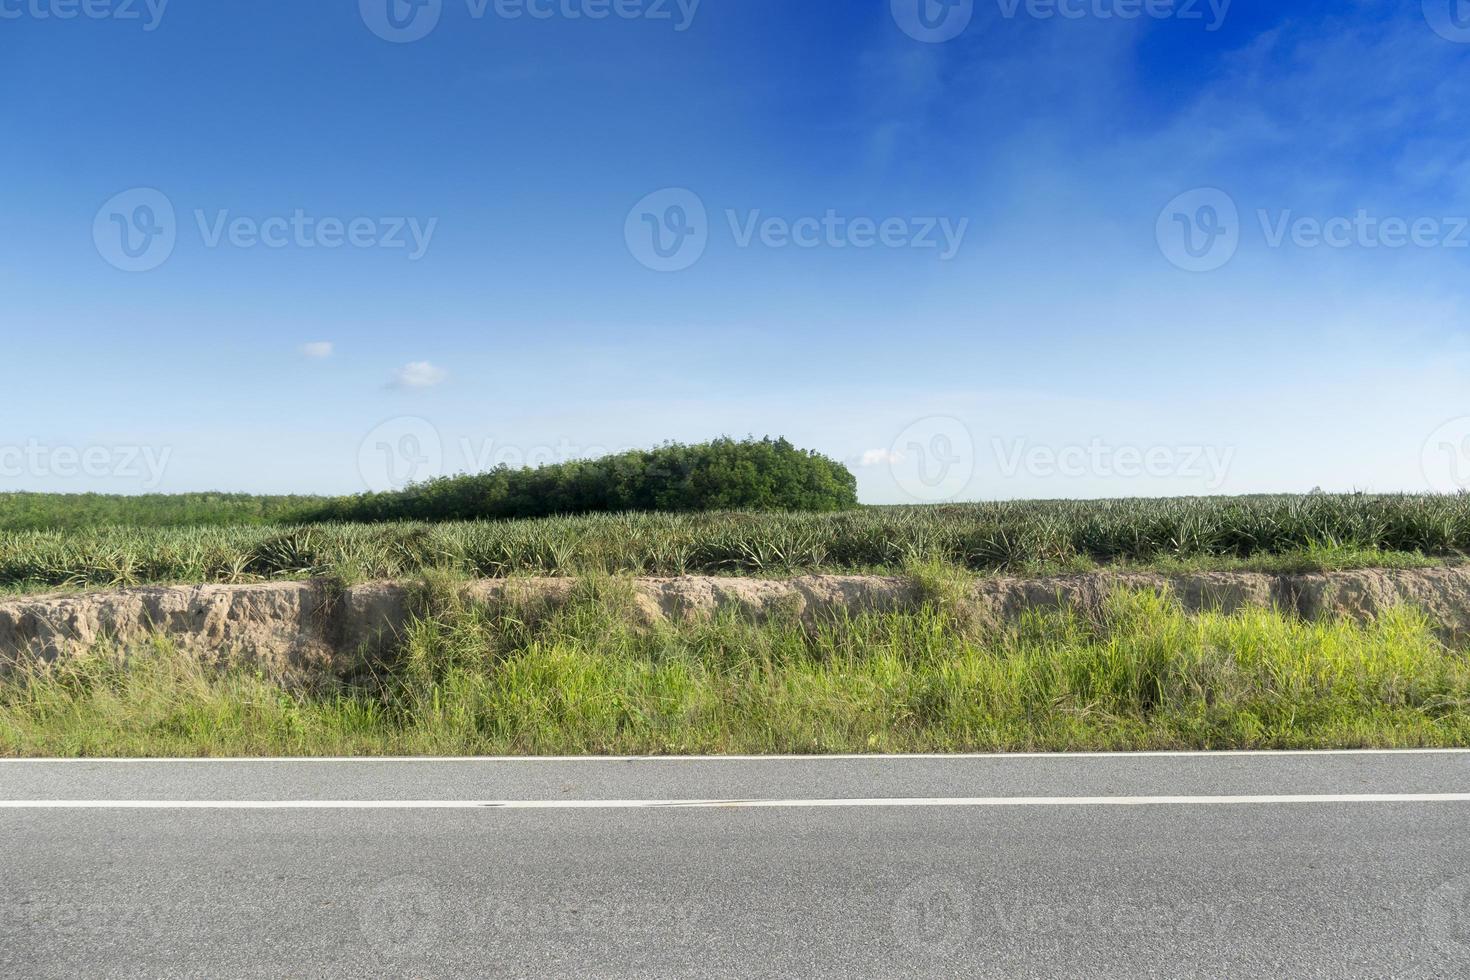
(992, 296)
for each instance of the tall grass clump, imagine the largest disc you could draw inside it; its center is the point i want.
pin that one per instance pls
(592, 676)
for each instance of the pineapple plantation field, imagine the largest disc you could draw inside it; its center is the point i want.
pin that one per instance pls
(108, 542)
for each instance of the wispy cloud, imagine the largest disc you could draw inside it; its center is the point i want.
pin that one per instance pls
(318, 349)
(419, 374)
(881, 457)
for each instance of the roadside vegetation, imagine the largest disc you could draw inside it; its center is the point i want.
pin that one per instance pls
(1277, 534)
(587, 678)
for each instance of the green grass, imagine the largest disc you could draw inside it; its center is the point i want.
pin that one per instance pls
(586, 679)
(53, 511)
(1316, 532)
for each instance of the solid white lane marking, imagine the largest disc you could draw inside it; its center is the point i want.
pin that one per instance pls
(994, 801)
(1002, 756)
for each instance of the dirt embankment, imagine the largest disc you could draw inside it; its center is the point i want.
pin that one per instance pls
(292, 628)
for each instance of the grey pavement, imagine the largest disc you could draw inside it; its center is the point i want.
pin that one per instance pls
(1263, 889)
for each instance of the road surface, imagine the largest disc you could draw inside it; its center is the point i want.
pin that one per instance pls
(1304, 865)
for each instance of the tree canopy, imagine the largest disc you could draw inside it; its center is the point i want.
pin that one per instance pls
(726, 474)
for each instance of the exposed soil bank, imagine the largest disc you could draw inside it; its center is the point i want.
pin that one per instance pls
(309, 627)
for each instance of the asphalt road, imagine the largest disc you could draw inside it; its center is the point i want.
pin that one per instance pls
(1332, 865)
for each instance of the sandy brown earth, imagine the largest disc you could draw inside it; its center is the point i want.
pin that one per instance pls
(296, 627)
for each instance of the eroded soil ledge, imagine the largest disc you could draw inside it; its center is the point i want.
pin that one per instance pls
(308, 627)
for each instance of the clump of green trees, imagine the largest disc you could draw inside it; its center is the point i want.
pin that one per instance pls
(727, 474)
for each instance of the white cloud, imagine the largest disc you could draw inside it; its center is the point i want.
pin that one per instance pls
(318, 349)
(419, 374)
(882, 457)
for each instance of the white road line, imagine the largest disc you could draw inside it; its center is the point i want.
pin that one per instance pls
(1002, 756)
(994, 801)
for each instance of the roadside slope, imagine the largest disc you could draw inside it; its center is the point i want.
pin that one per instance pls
(292, 627)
